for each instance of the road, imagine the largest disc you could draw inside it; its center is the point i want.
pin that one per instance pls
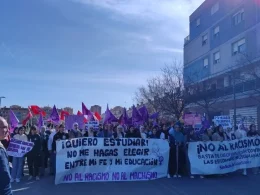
(234, 184)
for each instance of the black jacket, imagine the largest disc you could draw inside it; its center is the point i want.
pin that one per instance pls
(133, 135)
(44, 142)
(59, 136)
(36, 139)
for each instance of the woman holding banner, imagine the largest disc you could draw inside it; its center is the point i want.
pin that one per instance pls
(18, 162)
(119, 133)
(240, 134)
(219, 134)
(253, 133)
(177, 154)
(75, 132)
(133, 133)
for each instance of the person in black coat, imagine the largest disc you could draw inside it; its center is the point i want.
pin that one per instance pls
(133, 133)
(44, 149)
(61, 135)
(34, 156)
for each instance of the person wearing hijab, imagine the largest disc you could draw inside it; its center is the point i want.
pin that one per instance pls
(90, 132)
(75, 132)
(230, 134)
(5, 177)
(142, 132)
(177, 151)
(119, 132)
(33, 157)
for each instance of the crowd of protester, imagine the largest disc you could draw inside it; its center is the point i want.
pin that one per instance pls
(43, 155)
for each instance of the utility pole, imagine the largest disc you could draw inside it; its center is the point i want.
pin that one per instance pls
(234, 101)
(1, 101)
(1, 104)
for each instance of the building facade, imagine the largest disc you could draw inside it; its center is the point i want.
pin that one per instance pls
(96, 108)
(221, 59)
(21, 112)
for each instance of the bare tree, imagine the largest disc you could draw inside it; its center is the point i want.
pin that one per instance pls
(248, 76)
(165, 92)
(202, 94)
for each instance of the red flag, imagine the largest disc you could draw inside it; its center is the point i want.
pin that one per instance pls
(63, 114)
(97, 115)
(85, 120)
(28, 117)
(37, 110)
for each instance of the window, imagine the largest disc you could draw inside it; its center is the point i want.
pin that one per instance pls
(238, 17)
(239, 47)
(198, 22)
(204, 39)
(216, 31)
(214, 8)
(216, 57)
(206, 62)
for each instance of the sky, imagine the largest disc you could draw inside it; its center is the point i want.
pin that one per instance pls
(65, 52)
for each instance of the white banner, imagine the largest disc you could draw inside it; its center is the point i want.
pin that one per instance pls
(18, 148)
(94, 124)
(106, 159)
(224, 121)
(208, 158)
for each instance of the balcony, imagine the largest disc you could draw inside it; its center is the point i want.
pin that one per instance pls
(252, 85)
(187, 40)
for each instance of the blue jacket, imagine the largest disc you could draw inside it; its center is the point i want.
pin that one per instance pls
(5, 177)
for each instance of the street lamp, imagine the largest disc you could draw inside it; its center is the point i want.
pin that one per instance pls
(1, 100)
(0, 104)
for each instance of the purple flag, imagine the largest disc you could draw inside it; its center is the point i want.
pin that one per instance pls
(154, 115)
(125, 118)
(54, 117)
(87, 112)
(13, 120)
(40, 121)
(109, 117)
(144, 113)
(136, 117)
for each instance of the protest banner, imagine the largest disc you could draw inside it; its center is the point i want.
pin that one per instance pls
(18, 148)
(94, 124)
(224, 121)
(208, 158)
(107, 159)
(69, 120)
(192, 119)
